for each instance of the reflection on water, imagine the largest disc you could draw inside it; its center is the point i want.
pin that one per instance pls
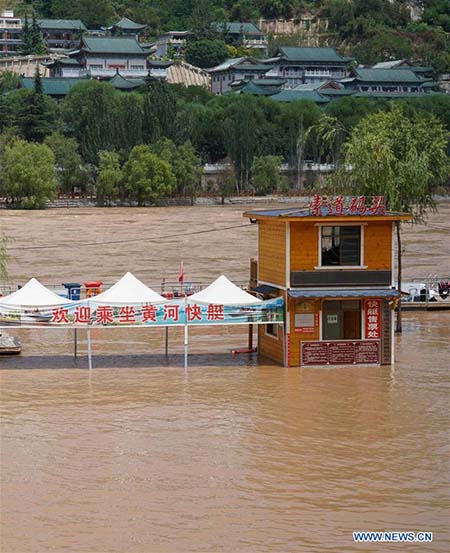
(231, 455)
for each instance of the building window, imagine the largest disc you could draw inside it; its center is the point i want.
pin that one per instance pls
(272, 330)
(137, 68)
(95, 67)
(340, 246)
(341, 320)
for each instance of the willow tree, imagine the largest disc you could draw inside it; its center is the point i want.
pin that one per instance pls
(403, 159)
(3, 257)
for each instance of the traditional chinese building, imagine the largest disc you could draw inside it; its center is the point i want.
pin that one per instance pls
(332, 262)
(10, 33)
(301, 65)
(235, 70)
(103, 57)
(61, 34)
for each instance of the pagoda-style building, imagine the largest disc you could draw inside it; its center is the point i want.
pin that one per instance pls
(126, 27)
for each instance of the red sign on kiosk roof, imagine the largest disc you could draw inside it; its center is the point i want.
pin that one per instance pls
(321, 206)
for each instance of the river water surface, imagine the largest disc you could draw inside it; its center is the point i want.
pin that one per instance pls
(232, 455)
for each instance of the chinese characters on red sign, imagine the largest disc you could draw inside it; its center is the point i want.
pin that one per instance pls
(373, 319)
(338, 205)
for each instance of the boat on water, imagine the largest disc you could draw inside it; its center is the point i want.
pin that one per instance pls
(433, 295)
(26, 317)
(9, 345)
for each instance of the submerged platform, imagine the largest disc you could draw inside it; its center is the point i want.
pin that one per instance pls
(425, 306)
(9, 345)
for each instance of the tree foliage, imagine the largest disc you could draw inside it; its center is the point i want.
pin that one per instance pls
(30, 177)
(109, 177)
(402, 159)
(148, 178)
(159, 111)
(69, 170)
(206, 53)
(266, 176)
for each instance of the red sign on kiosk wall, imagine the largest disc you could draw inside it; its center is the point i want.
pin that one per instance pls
(372, 323)
(341, 352)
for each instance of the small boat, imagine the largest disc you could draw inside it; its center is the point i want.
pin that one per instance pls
(27, 317)
(418, 292)
(9, 345)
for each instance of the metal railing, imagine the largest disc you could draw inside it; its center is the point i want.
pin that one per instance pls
(170, 289)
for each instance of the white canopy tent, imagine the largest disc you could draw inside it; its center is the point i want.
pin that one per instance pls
(222, 291)
(128, 290)
(33, 295)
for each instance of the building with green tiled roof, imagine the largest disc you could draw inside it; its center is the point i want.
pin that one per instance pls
(244, 34)
(55, 87)
(377, 80)
(235, 69)
(126, 27)
(61, 34)
(103, 56)
(295, 95)
(300, 65)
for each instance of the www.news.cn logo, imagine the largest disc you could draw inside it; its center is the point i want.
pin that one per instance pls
(392, 537)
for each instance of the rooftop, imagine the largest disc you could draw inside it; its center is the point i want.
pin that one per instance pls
(66, 24)
(387, 75)
(311, 54)
(246, 63)
(128, 25)
(122, 83)
(112, 45)
(304, 213)
(291, 95)
(237, 28)
(53, 86)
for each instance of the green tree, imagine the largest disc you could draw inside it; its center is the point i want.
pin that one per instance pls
(186, 166)
(30, 176)
(160, 108)
(206, 53)
(37, 42)
(350, 110)
(128, 118)
(39, 113)
(3, 257)
(109, 177)
(382, 46)
(93, 14)
(202, 125)
(8, 81)
(69, 171)
(297, 122)
(88, 111)
(266, 176)
(26, 48)
(243, 119)
(399, 158)
(148, 178)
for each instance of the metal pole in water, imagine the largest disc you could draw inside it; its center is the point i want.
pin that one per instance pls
(89, 348)
(186, 346)
(167, 341)
(75, 343)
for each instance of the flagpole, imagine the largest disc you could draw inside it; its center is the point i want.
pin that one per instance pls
(186, 335)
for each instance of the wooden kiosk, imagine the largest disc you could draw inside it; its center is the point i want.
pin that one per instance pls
(333, 264)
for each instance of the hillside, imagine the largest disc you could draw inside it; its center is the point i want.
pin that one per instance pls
(370, 30)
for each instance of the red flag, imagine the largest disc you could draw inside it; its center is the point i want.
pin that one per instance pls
(181, 273)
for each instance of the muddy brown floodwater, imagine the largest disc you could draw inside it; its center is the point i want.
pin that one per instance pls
(234, 455)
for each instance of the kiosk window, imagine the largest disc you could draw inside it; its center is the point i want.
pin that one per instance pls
(272, 330)
(341, 246)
